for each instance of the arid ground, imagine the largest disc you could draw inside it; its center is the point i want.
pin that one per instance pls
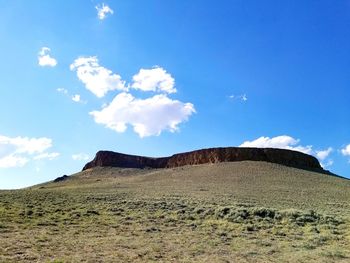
(228, 212)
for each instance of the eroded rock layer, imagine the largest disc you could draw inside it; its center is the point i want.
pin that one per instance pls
(211, 155)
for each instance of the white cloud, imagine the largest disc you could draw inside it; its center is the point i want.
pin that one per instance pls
(327, 164)
(49, 156)
(346, 150)
(44, 58)
(103, 10)
(76, 98)
(80, 157)
(242, 97)
(62, 90)
(281, 142)
(96, 78)
(321, 155)
(12, 160)
(147, 116)
(25, 144)
(16, 152)
(288, 142)
(155, 79)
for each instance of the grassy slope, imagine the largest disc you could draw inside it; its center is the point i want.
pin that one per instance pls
(228, 212)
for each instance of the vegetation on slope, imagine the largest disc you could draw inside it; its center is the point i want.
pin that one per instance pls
(228, 212)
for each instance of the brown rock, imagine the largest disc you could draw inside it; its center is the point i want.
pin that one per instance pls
(61, 178)
(212, 155)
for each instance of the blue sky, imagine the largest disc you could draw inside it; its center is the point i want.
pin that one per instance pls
(160, 77)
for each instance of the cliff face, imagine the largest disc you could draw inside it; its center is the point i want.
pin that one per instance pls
(114, 159)
(212, 155)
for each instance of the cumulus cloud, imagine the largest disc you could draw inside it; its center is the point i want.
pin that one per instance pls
(155, 79)
(281, 142)
(97, 79)
(147, 116)
(17, 151)
(44, 58)
(290, 143)
(103, 11)
(346, 150)
(80, 157)
(321, 155)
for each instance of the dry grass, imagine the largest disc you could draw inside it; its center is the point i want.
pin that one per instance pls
(229, 212)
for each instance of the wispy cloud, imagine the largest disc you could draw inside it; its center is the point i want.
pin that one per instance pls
(80, 157)
(49, 156)
(62, 90)
(346, 150)
(242, 97)
(44, 58)
(76, 97)
(327, 164)
(17, 151)
(103, 11)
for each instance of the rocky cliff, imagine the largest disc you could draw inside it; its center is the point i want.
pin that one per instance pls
(212, 155)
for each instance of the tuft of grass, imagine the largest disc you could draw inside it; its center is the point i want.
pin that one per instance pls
(248, 211)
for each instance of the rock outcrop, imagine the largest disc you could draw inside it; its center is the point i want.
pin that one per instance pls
(61, 178)
(212, 155)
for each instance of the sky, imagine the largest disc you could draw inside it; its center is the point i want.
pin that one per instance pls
(157, 77)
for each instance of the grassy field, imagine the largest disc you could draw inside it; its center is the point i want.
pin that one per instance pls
(228, 212)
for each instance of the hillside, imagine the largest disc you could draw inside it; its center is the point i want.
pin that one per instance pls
(225, 212)
(246, 180)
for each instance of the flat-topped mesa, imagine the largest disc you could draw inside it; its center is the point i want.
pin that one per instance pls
(114, 159)
(211, 155)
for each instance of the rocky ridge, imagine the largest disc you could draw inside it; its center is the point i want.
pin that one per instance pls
(212, 155)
